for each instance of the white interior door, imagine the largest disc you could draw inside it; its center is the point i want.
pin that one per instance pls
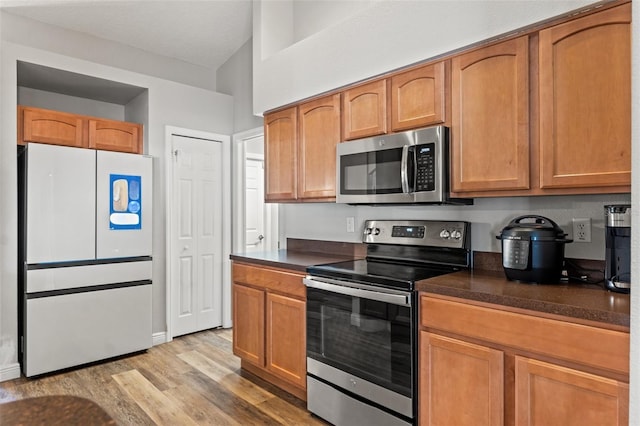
(255, 236)
(196, 272)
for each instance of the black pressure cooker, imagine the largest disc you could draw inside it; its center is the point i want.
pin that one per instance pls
(533, 249)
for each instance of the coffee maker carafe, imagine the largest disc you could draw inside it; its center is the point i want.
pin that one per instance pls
(617, 275)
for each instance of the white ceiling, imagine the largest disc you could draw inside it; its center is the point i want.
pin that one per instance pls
(200, 32)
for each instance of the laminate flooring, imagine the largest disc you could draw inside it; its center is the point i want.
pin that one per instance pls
(192, 380)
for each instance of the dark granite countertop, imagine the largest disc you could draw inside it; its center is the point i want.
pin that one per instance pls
(294, 260)
(581, 301)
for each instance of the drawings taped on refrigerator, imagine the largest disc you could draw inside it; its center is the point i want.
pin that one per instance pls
(84, 255)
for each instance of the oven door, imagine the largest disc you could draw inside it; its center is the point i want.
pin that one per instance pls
(362, 341)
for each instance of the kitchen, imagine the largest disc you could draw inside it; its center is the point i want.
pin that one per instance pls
(487, 215)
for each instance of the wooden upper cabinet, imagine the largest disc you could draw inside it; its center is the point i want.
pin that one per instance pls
(62, 128)
(50, 127)
(280, 136)
(418, 97)
(364, 110)
(318, 135)
(585, 101)
(490, 118)
(455, 374)
(548, 394)
(114, 135)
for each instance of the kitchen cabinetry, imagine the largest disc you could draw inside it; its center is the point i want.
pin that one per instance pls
(490, 118)
(418, 97)
(585, 101)
(269, 325)
(111, 135)
(52, 127)
(300, 147)
(516, 367)
(60, 128)
(578, 140)
(364, 110)
(453, 371)
(319, 134)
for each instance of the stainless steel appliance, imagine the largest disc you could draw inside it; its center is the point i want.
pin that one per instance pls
(408, 167)
(618, 247)
(533, 249)
(84, 256)
(362, 321)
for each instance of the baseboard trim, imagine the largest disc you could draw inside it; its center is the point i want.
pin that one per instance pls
(159, 338)
(9, 372)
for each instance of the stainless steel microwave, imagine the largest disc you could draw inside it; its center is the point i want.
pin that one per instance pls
(402, 168)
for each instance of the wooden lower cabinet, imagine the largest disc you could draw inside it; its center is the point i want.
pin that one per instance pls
(286, 326)
(461, 383)
(482, 364)
(248, 324)
(548, 394)
(269, 325)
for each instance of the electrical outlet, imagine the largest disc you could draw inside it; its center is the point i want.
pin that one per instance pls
(351, 227)
(582, 230)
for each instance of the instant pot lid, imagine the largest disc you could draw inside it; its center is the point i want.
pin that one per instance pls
(535, 228)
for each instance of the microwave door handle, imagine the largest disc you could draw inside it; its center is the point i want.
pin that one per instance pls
(404, 170)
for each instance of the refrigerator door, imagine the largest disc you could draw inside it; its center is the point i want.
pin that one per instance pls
(61, 203)
(123, 205)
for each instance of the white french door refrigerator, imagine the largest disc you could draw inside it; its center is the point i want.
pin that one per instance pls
(84, 255)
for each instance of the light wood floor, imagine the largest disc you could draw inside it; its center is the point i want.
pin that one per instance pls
(194, 379)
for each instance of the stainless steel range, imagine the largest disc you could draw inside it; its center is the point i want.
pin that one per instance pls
(362, 321)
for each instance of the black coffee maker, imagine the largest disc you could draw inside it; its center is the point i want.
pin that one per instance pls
(617, 274)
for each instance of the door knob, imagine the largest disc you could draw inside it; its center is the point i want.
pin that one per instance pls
(260, 237)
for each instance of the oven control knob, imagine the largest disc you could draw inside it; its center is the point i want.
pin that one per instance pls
(456, 235)
(376, 231)
(444, 234)
(367, 231)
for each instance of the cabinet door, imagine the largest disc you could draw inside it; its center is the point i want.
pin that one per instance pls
(113, 135)
(460, 383)
(364, 110)
(280, 133)
(248, 324)
(417, 97)
(286, 338)
(490, 118)
(585, 101)
(548, 394)
(51, 127)
(319, 133)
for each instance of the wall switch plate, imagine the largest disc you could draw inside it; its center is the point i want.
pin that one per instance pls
(351, 224)
(582, 230)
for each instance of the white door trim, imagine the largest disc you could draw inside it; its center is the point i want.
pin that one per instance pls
(226, 217)
(271, 219)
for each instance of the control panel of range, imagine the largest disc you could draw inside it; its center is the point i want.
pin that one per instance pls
(435, 233)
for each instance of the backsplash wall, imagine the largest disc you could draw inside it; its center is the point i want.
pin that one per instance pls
(325, 221)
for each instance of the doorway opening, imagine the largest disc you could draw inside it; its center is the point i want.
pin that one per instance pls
(255, 224)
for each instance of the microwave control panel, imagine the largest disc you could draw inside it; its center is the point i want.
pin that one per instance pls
(425, 167)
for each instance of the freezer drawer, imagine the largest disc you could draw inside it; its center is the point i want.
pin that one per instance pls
(74, 329)
(51, 279)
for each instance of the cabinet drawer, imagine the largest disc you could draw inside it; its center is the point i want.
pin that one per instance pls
(271, 279)
(587, 345)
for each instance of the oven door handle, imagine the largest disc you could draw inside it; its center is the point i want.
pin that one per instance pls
(394, 299)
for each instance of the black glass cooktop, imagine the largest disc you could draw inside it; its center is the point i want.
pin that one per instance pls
(380, 273)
